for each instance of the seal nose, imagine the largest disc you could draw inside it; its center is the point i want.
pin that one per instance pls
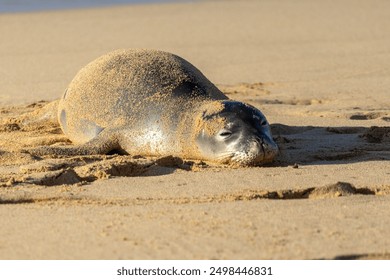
(270, 151)
(270, 148)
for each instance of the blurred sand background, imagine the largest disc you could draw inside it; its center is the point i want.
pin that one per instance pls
(319, 71)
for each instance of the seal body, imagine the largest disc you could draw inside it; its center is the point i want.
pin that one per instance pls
(147, 102)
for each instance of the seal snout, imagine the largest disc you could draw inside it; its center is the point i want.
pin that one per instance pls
(269, 147)
(255, 146)
(270, 150)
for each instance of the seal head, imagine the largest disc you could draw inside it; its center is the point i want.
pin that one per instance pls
(235, 133)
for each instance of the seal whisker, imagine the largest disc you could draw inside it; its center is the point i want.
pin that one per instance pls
(224, 156)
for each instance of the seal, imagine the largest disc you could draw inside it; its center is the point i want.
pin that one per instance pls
(154, 103)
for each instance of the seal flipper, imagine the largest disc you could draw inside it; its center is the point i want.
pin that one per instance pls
(101, 144)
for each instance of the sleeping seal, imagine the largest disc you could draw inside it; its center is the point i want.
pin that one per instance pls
(153, 103)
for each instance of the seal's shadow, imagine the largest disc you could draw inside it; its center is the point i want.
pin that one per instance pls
(330, 145)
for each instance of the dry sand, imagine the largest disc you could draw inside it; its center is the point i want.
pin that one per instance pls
(319, 70)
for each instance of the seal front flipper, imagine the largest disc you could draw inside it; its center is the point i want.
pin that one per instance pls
(103, 143)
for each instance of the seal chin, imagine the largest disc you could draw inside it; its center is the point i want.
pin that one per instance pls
(257, 154)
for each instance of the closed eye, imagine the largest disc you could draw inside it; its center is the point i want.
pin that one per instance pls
(225, 133)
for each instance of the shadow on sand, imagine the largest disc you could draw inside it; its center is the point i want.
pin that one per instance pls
(330, 145)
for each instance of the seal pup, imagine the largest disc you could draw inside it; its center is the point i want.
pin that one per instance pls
(154, 103)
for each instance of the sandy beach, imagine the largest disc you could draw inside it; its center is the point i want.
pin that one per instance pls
(319, 71)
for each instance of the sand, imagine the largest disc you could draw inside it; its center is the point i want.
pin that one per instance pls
(317, 69)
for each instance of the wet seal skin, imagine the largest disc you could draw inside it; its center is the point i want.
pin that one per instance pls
(154, 103)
